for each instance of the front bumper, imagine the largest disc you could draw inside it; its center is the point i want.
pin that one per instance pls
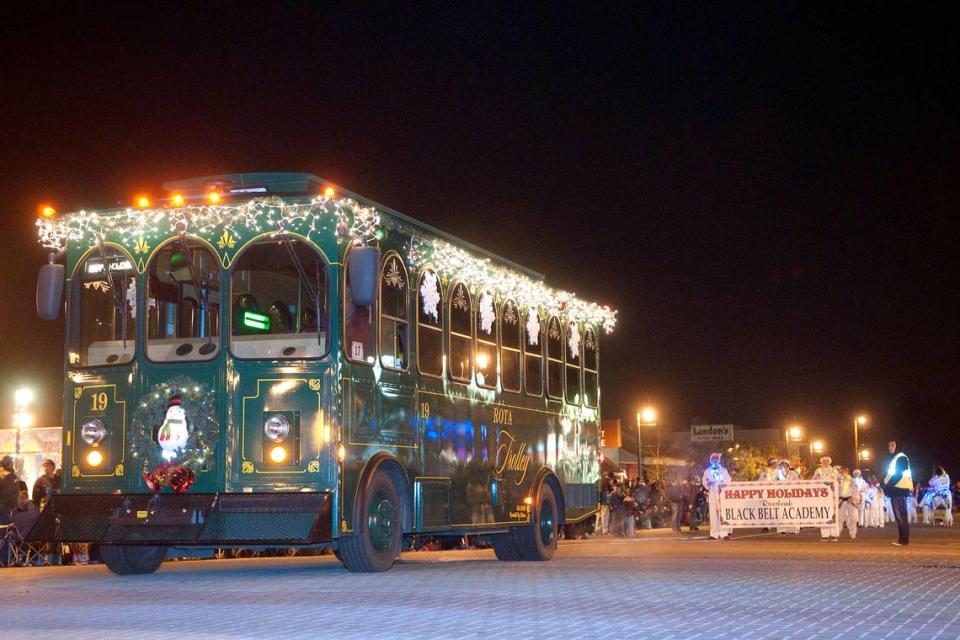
(225, 519)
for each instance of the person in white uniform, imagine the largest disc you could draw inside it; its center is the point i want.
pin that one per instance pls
(770, 473)
(827, 473)
(941, 495)
(715, 478)
(877, 508)
(862, 488)
(784, 474)
(851, 498)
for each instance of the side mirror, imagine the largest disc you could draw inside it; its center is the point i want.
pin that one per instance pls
(50, 290)
(362, 274)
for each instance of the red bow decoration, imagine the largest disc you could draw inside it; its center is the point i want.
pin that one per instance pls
(170, 474)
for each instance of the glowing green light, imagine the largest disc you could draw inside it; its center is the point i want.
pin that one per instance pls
(254, 320)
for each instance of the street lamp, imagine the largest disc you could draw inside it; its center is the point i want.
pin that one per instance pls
(858, 422)
(817, 446)
(864, 454)
(647, 417)
(22, 398)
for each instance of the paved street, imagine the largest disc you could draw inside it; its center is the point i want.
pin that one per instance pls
(659, 585)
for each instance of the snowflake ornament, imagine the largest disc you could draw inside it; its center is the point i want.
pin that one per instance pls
(533, 327)
(487, 314)
(131, 298)
(430, 295)
(573, 341)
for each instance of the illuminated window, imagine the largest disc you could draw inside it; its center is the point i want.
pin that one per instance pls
(102, 311)
(485, 362)
(358, 332)
(554, 359)
(459, 353)
(533, 352)
(393, 312)
(510, 346)
(429, 325)
(183, 303)
(591, 388)
(278, 301)
(573, 351)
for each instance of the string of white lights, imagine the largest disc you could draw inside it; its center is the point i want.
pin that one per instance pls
(254, 216)
(458, 264)
(344, 216)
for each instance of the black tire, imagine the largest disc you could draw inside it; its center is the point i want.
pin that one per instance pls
(504, 547)
(378, 528)
(537, 541)
(130, 560)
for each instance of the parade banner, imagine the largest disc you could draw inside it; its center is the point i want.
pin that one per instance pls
(792, 503)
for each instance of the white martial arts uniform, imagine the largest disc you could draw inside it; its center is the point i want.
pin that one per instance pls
(790, 475)
(877, 509)
(850, 501)
(713, 479)
(940, 484)
(861, 508)
(828, 473)
(888, 511)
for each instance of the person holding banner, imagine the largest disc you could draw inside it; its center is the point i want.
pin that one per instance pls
(851, 498)
(827, 473)
(715, 478)
(784, 474)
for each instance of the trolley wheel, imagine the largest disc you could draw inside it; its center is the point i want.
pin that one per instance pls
(504, 547)
(126, 560)
(378, 532)
(538, 541)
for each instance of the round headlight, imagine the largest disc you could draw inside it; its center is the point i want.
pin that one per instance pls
(93, 432)
(277, 427)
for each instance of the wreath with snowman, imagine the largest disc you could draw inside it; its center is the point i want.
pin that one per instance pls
(174, 432)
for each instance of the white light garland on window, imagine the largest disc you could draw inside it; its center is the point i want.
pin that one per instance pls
(458, 264)
(352, 220)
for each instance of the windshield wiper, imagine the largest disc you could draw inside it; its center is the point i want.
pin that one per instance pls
(311, 292)
(195, 279)
(118, 304)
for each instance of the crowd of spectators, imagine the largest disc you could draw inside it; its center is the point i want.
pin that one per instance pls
(628, 505)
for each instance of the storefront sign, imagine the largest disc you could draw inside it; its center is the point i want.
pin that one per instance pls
(799, 503)
(610, 434)
(711, 433)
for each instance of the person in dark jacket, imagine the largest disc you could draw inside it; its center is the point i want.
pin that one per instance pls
(9, 491)
(898, 485)
(43, 488)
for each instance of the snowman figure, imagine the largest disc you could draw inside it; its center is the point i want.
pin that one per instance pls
(173, 434)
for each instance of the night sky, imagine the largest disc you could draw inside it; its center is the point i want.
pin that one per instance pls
(767, 195)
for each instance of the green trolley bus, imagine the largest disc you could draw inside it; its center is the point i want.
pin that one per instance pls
(265, 360)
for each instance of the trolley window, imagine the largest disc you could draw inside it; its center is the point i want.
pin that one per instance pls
(393, 313)
(103, 309)
(533, 353)
(459, 356)
(429, 325)
(279, 303)
(510, 346)
(358, 332)
(591, 386)
(486, 326)
(554, 359)
(573, 363)
(183, 303)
